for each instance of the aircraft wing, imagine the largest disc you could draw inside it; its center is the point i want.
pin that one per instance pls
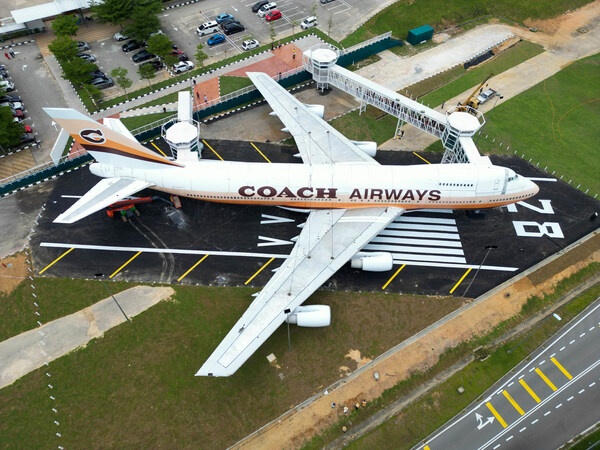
(317, 141)
(103, 194)
(328, 240)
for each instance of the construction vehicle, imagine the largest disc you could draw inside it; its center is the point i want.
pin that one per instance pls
(472, 102)
(127, 209)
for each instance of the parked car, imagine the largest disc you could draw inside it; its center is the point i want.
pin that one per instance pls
(143, 55)
(215, 39)
(156, 64)
(273, 15)
(309, 22)
(97, 73)
(13, 105)
(3, 71)
(102, 83)
(485, 96)
(8, 86)
(87, 56)
(18, 113)
(82, 46)
(132, 45)
(207, 28)
(26, 138)
(326, 1)
(27, 128)
(10, 98)
(250, 44)
(233, 27)
(259, 5)
(183, 66)
(120, 37)
(264, 9)
(223, 17)
(180, 55)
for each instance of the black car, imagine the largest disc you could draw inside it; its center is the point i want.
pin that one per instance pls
(143, 55)
(234, 27)
(156, 64)
(226, 22)
(132, 45)
(97, 73)
(259, 5)
(10, 98)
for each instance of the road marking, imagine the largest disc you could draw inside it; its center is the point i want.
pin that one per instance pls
(56, 260)
(157, 148)
(562, 369)
(261, 153)
(535, 421)
(259, 271)
(558, 406)
(570, 343)
(545, 378)
(420, 157)
(461, 280)
(212, 149)
(192, 268)
(530, 391)
(591, 329)
(393, 276)
(562, 348)
(522, 429)
(128, 261)
(581, 391)
(426, 447)
(570, 398)
(513, 402)
(582, 335)
(593, 383)
(496, 415)
(547, 413)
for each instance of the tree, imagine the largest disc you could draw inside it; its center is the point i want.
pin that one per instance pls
(144, 19)
(64, 48)
(272, 33)
(146, 71)
(116, 12)
(161, 45)
(94, 93)
(65, 25)
(10, 131)
(294, 24)
(120, 76)
(78, 71)
(200, 55)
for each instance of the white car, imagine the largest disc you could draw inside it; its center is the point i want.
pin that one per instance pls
(309, 22)
(183, 66)
(250, 44)
(120, 37)
(262, 12)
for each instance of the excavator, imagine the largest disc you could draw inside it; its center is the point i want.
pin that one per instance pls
(472, 103)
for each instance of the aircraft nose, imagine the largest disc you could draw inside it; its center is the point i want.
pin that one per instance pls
(532, 188)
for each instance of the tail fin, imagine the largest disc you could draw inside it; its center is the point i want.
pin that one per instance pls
(106, 145)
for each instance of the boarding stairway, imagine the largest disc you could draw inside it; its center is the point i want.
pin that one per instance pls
(455, 128)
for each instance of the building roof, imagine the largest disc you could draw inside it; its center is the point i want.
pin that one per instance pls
(46, 10)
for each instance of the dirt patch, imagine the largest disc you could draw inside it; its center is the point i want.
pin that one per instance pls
(13, 270)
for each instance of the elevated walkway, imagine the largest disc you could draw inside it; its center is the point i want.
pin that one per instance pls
(455, 128)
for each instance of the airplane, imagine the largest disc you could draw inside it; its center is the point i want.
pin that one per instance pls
(349, 197)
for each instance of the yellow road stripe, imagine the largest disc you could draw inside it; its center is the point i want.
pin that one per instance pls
(420, 157)
(192, 268)
(259, 270)
(512, 402)
(528, 389)
(393, 276)
(496, 415)
(261, 153)
(461, 280)
(212, 150)
(128, 261)
(156, 147)
(426, 447)
(56, 260)
(545, 378)
(562, 369)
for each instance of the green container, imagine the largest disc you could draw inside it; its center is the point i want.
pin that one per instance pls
(420, 34)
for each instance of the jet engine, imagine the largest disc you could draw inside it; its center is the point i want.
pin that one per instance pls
(318, 110)
(372, 262)
(367, 147)
(310, 316)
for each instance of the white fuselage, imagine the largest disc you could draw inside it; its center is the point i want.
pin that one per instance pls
(344, 185)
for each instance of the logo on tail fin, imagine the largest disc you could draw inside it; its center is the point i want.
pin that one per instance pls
(93, 136)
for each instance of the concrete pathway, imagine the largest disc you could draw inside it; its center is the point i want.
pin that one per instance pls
(32, 349)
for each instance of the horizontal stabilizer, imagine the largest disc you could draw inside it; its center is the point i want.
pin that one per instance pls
(104, 194)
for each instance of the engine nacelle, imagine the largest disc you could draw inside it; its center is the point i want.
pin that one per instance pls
(310, 316)
(367, 147)
(372, 262)
(319, 110)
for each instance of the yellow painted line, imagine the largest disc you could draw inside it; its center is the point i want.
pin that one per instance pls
(128, 261)
(56, 260)
(426, 447)
(513, 402)
(192, 268)
(528, 389)
(420, 157)
(261, 153)
(461, 280)
(212, 149)
(562, 369)
(157, 148)
(393, 276)
(496, 415)
(259, 270)
(545, 378)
